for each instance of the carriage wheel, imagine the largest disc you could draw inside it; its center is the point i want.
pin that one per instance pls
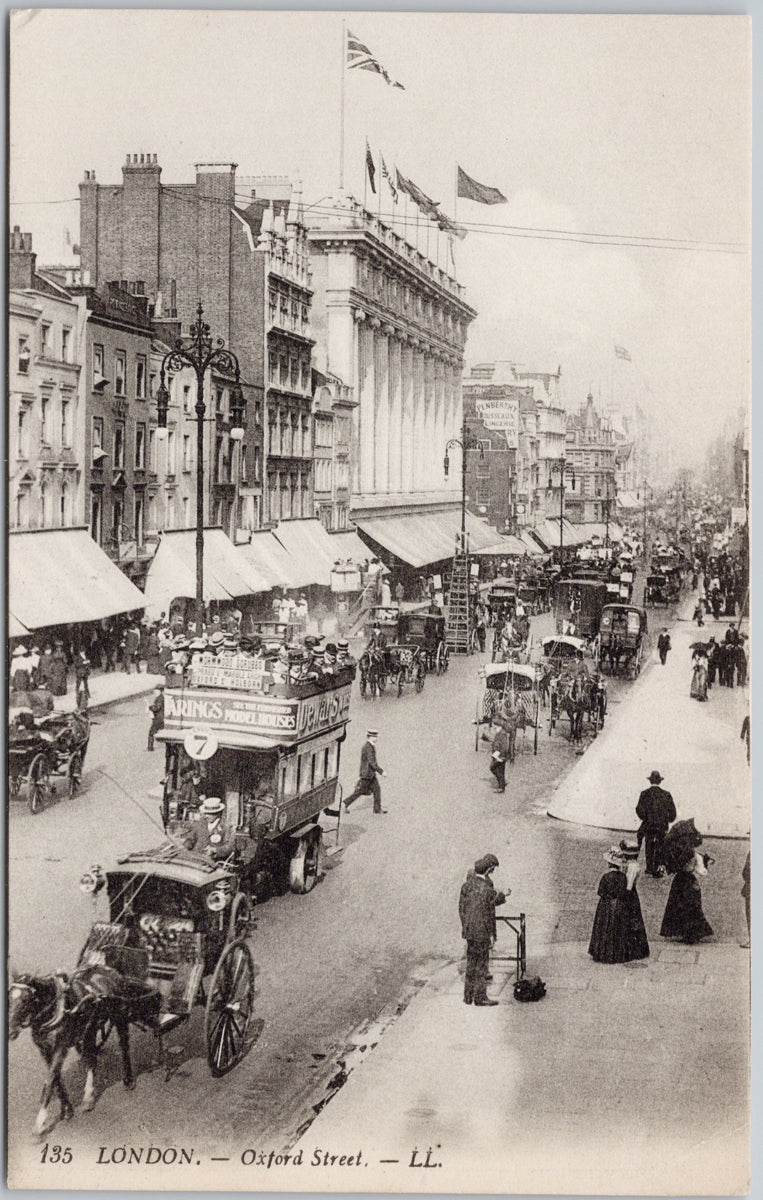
(637, 663)
(39, 783)
(229, 1010)
(420, 678)
(305, 865)
(75, 773)
(438, 660)
(241, 916)
(445, 657)
(474, 642)
(381, 681)
(477, 728)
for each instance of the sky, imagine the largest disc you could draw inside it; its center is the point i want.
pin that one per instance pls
(633, 127)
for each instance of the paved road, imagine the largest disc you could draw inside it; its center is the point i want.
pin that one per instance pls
(328, 963)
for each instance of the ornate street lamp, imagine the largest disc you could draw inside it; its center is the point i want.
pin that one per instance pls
(561, 467)
(466, 442)
(202, 353)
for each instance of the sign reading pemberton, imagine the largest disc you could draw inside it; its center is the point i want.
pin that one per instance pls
(502, 414)
(283, 720)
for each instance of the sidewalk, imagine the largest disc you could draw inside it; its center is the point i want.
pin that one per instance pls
(623, 1079)
(110, 689)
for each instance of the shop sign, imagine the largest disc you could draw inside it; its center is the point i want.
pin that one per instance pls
(268, 715)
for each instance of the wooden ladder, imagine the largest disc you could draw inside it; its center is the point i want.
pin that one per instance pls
(458, 636)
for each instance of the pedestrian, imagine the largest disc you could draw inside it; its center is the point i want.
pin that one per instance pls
(480, 625)
(399, 592)
(745, 734)
(656, 810)
(732, 635)
(46, 667)
(81, 679)
(59, 669)
(154, 660)
(684, 918)
(301, 616)
(368, 783)
(500, 752)
(699, 678)
(712, 661)
(740, 663)
(618, 933)
(34, 667)
(746, 894)
(156, 708)
(21, 676)
(663, 645)
(477, 903)
(698, 615)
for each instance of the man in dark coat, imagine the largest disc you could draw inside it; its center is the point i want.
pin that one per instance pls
(663, 646)
(656, 811)
(501, 751)
(156, 708)
(368, 782)
(211, 836)
(476, 908)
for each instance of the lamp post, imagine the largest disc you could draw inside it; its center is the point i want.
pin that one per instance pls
(607, 503)
(561, 467)
(202, 353)
(644, 490)
(467, 441)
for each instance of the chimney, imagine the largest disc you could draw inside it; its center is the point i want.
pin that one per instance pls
(21, 260)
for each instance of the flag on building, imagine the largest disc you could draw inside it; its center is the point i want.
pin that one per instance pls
(621, 352)
(386, 175)
(370, 167)
(360, 57)
(449, 226)
(424, 202)
(469, 189)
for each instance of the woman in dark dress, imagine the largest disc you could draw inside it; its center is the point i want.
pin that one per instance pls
(58, 670)
(684, 918)
(618, 933)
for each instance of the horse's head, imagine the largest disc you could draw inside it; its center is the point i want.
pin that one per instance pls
(24, 1001)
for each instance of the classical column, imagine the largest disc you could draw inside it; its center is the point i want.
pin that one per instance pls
(441, 436)
(395, 448)
(419, 415)
(431, 450)
(381, 407)
(366, 410)
(407, 422)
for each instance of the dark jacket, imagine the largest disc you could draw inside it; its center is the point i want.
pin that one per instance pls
(663, 642)
(368, 764)
(656, 809)
(201, 838)
(476, 907)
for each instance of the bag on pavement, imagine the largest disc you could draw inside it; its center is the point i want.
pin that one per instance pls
(531, 987)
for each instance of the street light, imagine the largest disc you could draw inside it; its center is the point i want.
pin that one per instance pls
(561, 467)
(644, 489)
(467, 441)
(608, 501)
(201, 352)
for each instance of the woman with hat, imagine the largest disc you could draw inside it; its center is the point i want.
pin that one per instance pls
(684, 918)
(618, 933)
(58, 671)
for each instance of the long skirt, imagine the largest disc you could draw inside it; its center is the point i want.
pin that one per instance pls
(618, 933)
(684, 917)
(699, 684)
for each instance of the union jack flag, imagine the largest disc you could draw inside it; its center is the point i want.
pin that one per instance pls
(361, 58)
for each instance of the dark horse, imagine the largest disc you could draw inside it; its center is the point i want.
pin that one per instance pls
(372, 668)
(78, 1013)
(572, 699)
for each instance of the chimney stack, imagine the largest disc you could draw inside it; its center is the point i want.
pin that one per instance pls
(21, 260)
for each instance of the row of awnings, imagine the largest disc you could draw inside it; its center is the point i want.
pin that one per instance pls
(423, 538)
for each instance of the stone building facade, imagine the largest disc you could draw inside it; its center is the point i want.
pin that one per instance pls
(591, 455)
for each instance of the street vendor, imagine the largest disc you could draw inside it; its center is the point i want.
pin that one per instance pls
(211, 835)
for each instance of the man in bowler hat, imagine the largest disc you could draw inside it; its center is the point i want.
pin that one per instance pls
(368, 782)
(657, 812)
(476, 908)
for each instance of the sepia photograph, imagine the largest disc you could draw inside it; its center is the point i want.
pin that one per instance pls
(378, 602)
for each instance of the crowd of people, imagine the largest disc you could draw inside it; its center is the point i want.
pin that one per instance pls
(724, 662)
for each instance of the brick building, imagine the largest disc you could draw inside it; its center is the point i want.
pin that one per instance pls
(333, 405)
(591, 455)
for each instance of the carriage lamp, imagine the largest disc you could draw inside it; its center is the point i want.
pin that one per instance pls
(237, 412)
(446, 465)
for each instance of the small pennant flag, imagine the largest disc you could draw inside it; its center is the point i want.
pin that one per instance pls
(386, 175)
(469, 189)
(359, 57)
(370, 167)
(424, 202)
(450, 226)
(621, 352)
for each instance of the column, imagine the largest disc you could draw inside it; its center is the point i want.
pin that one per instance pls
(395, 449)
(381, 408)
(430, 467)
(441, 436)
(418, 419)
(407, 423)
(454, 479)
(366, 411)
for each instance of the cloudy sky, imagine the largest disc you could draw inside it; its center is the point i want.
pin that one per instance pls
(630, 129)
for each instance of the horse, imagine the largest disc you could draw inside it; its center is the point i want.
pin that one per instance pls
(78, 1013)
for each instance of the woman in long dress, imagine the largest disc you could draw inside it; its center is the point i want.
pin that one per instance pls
(698, 689)
(618, 933)
(684, 918)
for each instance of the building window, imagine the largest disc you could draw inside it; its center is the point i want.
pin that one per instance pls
(24, 355)
(45, 340)
(283, 370)
(272, 368)
(138, 526)
(44, 505)
(116, 528)
(119, 445)
(44, 431)
(22, 446)
(171, 460)
(63, 505)
(97, 437)
(218, 460)
(256, 463)
(95, 517)
(186, 512)
(186, 397)
(243, 462)
(98, 362)
(186, 452)
(151, 513)
(294, 372)
(140, 447)
(272, 306)
(169, 511)
(65, 436)
(140, 377)
(305, 373)
(66, 345)
(152, 449)
(120, 373)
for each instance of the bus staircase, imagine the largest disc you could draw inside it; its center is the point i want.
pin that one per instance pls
(459, 626)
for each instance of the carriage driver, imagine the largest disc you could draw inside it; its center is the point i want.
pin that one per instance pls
(211, 835)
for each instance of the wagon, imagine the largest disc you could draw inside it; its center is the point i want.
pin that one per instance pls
(177, 925)
(621, 639)
(427, 631)
(513, 685)
(39, 748)
(578, 603)
(657, 590)
(501, 600)
(405, 664)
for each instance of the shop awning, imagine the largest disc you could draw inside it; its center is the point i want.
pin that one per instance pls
(506, 545)
(627, 500)
(530, 544)
(15, 628)
(598, 529)
(429, 537)
(172, 574)
(272, 560)
(548, 533)
(347, 546)
(308, 542)
(62, 577)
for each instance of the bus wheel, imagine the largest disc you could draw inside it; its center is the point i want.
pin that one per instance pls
(305, 865)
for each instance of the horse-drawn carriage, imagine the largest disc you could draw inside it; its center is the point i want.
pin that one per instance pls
(501, 600)
(657, 590)
(390, 657)
(577, 606)
(621, 639)
(427, 631)
(511, 698)
(569, 686)
(41, 747)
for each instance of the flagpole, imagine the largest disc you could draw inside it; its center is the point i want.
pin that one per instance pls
(341, 104)
(365, 179)
(380, 174)
(612, 385)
